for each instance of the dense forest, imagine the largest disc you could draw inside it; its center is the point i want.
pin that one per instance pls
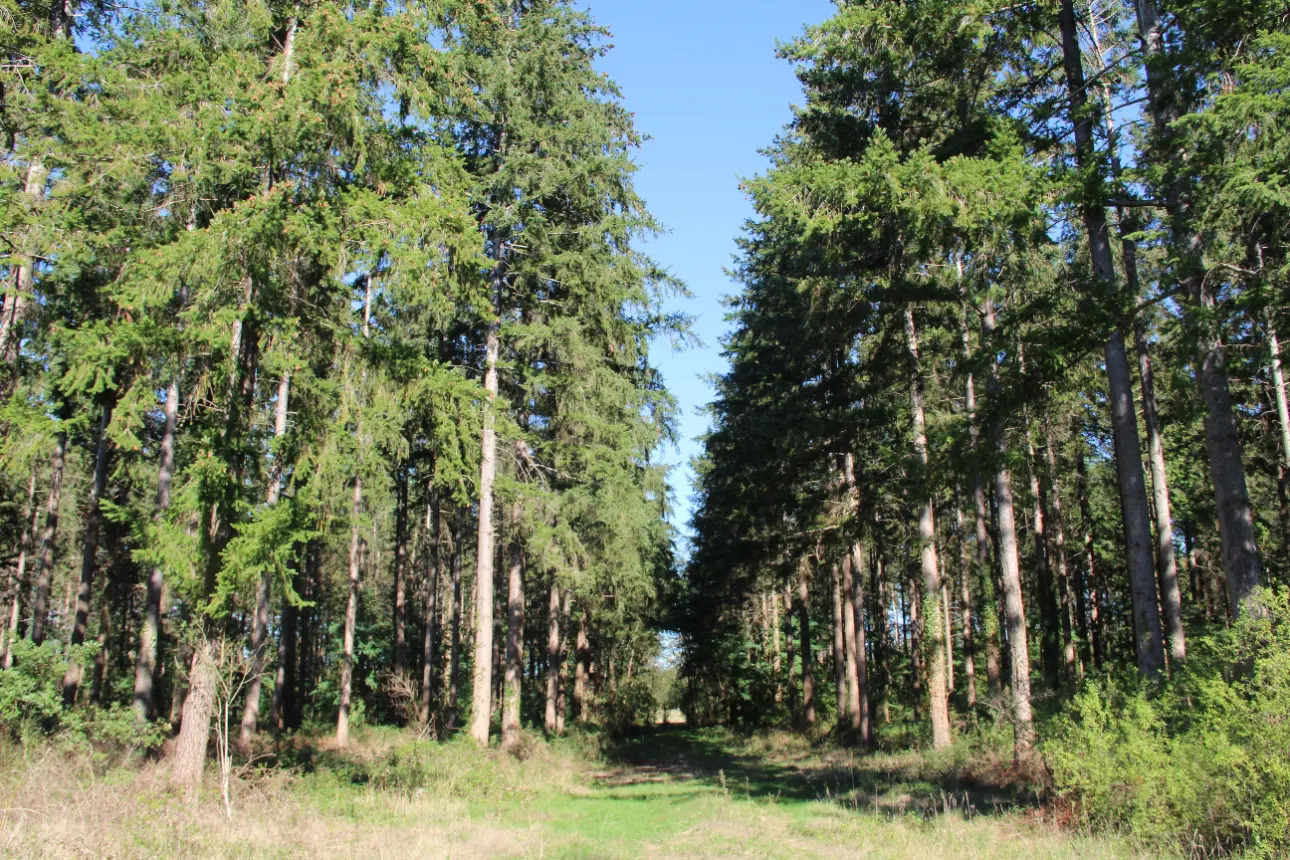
(327, 398)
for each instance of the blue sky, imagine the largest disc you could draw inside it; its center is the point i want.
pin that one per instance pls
(704, 83)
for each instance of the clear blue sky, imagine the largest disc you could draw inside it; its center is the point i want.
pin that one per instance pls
(705, 85)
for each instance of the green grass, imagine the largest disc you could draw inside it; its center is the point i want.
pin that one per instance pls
(671, 793)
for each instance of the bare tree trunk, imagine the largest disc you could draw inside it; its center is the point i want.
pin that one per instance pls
(458, 600)
(481, 700)
(804, 623)
(1149, 645)
(1093, 634)
(581, 670)
(933, 617)
(15, 305)
(915, 629)
(195, 729)
(561, 695)
(1010, 565)
(20, 571)
(853, 593)
(351, 620)
(400, 658)
(1166, 562)
(965, 599)
(429, 648)
(981, 566)
(839, 649)
(145, 669)
(89, 555)
(260, 634)
(1283, 420)
(514, 639)
(554, 658)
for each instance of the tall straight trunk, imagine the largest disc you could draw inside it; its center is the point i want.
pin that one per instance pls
(849, 628)
(933, 617)
(285, 677)
(20, 571)
(965, 610)
(1149, 646)
(400, 657)
(1241, 562)
(429, 647)
(853, 594)
(790, 647)
(581, 670)
(839, 648)
(89, 554)
(554, 658)
(145, 669)
(15, 305)
(981, 561)
(481, 700)
(1070, 662)
(1166, 561)
(1049, 649)
(804, 625)
(351, 619)
(514, 638)
(1283, 421)
(915, 628)
(777, 666)
(562, 690)
(260, 634)
(1010, 576)
(882, 647)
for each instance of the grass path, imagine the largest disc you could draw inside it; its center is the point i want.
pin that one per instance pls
(668, 794)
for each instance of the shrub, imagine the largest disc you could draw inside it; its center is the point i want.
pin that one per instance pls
(1200, 764)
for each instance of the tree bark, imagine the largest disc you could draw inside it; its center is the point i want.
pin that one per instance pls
(1070, 661)
(581, 670)
(458, 607)
(1149, 645)
(29, 516)
(1049, 649)
(15, 306)
(430, 646)
(1010, 576)
(933, 617)
(839, 649)
(89, 554)
(858, 657)
(481, 700)
(145, 669)
(514, 639)
(554, 658)
(965, 599)
(351, 620)
(804, 625)
(400, 657)
(195, 728)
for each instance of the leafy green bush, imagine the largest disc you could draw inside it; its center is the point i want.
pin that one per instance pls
(31, 703)
(1201, 764)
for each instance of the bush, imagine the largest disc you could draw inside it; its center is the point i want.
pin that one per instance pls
(31, 703)
(1201, 764)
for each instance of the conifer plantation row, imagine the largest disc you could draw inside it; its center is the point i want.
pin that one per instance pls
(1005, 417)
(326, 389)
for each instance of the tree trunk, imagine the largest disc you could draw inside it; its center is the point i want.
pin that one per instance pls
(858, 657)
(1149, 646)
(839, 649)
(145, 669)
(481, 699)
(804, 624)
(20, 584)
(260, 634)
(581, 670)
(400, 657)
(933, 616)
(1070, 662)
(429, 648)
(514, 639)
(89, 554)
(554, 658)
(195, 729)
(458, 598)
(1092, 620)
(285, 678)
(1283, 421)
(965, 599)
(351, 620)
(15, 306)
(1010, 567)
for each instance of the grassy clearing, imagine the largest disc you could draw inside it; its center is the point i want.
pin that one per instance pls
(667, 794)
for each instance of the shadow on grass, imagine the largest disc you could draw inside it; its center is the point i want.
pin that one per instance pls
(880, 783)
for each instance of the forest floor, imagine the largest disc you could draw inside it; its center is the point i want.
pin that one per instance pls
(668, 793)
